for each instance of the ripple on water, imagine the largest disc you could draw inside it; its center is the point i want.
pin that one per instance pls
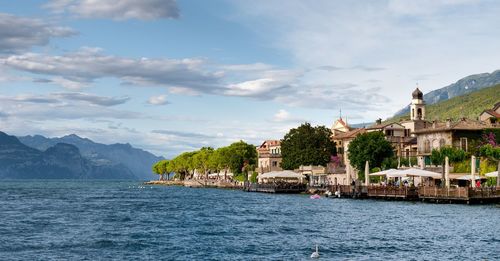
(122, 221)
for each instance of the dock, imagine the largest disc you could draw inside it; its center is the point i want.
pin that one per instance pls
(465, 195)
(275, 188)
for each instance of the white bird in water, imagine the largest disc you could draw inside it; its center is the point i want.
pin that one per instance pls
(315, 254)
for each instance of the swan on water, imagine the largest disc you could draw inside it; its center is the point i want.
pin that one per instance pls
(316, 253)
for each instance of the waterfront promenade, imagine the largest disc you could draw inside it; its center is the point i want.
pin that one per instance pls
(465, 195)
(461, 195)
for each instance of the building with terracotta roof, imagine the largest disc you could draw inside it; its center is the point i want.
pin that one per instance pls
(463, 134)
(269, 153)
(491, 115)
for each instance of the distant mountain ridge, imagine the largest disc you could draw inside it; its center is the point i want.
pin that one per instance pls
(463, 86)
(61, 161)
(138, 161)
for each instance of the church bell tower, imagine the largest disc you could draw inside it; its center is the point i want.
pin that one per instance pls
(417, 107)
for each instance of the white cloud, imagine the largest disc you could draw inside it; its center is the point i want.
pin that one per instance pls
(117, 10)
(281, 115)
(21, 33)
(424, 7)
(79, 69)
(158, 100)
(379, 47)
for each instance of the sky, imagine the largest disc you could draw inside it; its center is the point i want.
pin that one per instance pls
(172, 76)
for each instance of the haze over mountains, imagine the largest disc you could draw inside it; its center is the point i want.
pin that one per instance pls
(72, 157)
(463, 86)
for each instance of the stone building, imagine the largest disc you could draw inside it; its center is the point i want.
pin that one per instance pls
(339, 130)
(464, 134)
(492, 115)
(269, 153)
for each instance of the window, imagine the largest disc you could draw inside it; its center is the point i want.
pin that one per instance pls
(275, 163)
(427, 146)
(419, 113)
(442, 143)
(463, 144)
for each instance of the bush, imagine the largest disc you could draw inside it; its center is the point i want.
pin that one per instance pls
(462, 167)
(487, 166)
(253, 178)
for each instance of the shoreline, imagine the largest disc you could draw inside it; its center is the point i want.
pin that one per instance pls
(360, 192)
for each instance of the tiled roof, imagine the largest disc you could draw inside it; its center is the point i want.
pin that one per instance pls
(349, 134)
(270, 143)
(492, 113)
(381, 126)
(463, 124)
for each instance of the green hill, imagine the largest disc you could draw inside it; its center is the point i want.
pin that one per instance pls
(468, 106)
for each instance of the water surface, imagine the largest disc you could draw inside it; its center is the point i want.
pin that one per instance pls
(96, 220)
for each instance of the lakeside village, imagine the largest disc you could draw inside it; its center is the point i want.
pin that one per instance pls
(451, 161)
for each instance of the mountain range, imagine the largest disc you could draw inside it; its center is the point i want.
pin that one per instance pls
(72, 157)
(463, 86)
(61, 161)
(469, 106)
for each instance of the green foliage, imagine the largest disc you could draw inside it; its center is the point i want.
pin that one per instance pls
(468, 106)
(389, 163)
(253, 178)
(161, 168)
(487, 166)
(241, 177)
(242, 157)
(371, 147)
(183, 164)
(491, 182)
(201, 160)
(489, 151)
(462, 166)
(239, 157)
(307, 145)
(412, 161)
(454, 155)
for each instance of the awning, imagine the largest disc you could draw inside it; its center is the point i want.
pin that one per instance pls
(413, 172)
(493, 174)
(469, 177)
(285, 174)
(383, 172)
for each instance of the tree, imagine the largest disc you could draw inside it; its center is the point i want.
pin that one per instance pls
(219, 160)
(160, 168)
(241, 157)
(371, 147)
(156, 169)
(307, 145)
(163, 168)
(183, 164)
(201, 160)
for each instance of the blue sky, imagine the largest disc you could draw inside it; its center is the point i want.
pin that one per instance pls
(171, 76)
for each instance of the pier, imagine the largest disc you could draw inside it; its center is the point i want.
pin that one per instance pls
(276, 188)
(466, 195)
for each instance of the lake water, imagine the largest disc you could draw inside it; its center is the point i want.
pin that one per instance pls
(96, 220)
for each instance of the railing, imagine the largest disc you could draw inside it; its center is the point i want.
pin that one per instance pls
(391, 191)
(464, 193)
(492, 192)
(436, 192)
